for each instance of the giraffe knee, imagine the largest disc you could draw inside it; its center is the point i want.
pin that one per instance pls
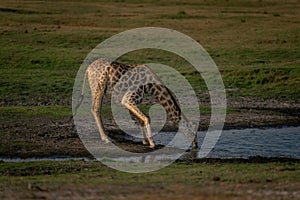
(146, 122)
(124, 102)
(95, 111)
(126, 99)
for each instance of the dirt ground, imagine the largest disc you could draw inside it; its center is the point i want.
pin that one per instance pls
(45, 136)
(175, 191)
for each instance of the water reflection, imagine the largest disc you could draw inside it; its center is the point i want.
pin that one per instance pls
(244, 143)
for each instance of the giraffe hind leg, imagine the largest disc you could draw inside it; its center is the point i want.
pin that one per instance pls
(128, 103)
(96, 109)
(98, 119)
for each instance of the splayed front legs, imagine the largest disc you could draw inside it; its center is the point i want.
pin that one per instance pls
(130, 105)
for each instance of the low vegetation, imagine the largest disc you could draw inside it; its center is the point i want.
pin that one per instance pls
(182, 179)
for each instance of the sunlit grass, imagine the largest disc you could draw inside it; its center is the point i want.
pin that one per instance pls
(43, 44)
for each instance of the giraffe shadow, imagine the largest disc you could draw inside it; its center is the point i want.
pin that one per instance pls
(123, 141)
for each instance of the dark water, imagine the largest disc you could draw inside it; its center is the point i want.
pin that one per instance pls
(270, 142)
(244, 143)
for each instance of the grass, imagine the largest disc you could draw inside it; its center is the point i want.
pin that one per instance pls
(30, 112)
(191, 172)
(255, 44)
(270, 83)
(57, 177)
(43, 44)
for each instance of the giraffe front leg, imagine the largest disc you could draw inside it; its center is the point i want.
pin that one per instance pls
(147, 124)
(140, 123)
(128, 103)
(145, 142)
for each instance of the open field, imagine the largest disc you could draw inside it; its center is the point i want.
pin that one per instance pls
(181, 180)
(255, 44)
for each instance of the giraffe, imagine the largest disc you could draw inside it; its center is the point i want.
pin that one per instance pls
(130, 83)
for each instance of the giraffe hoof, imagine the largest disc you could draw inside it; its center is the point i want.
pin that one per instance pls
(152, 146)
(106, 141)
(145, 142)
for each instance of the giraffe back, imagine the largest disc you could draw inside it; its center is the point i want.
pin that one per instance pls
(134, 81)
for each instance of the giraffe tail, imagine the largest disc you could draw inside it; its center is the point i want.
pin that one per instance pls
(81, 96)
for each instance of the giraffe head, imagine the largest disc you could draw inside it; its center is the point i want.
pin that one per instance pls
(189, 129)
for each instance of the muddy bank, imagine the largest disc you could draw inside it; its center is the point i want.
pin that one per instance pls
(30, 137)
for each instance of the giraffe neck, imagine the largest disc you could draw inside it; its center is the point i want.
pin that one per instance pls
(166, 99)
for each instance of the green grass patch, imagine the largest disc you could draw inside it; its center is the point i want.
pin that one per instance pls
(275, 82)
(36, 86)
(193, 179)
(35, 112)
(182, 172)
(43, 44)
